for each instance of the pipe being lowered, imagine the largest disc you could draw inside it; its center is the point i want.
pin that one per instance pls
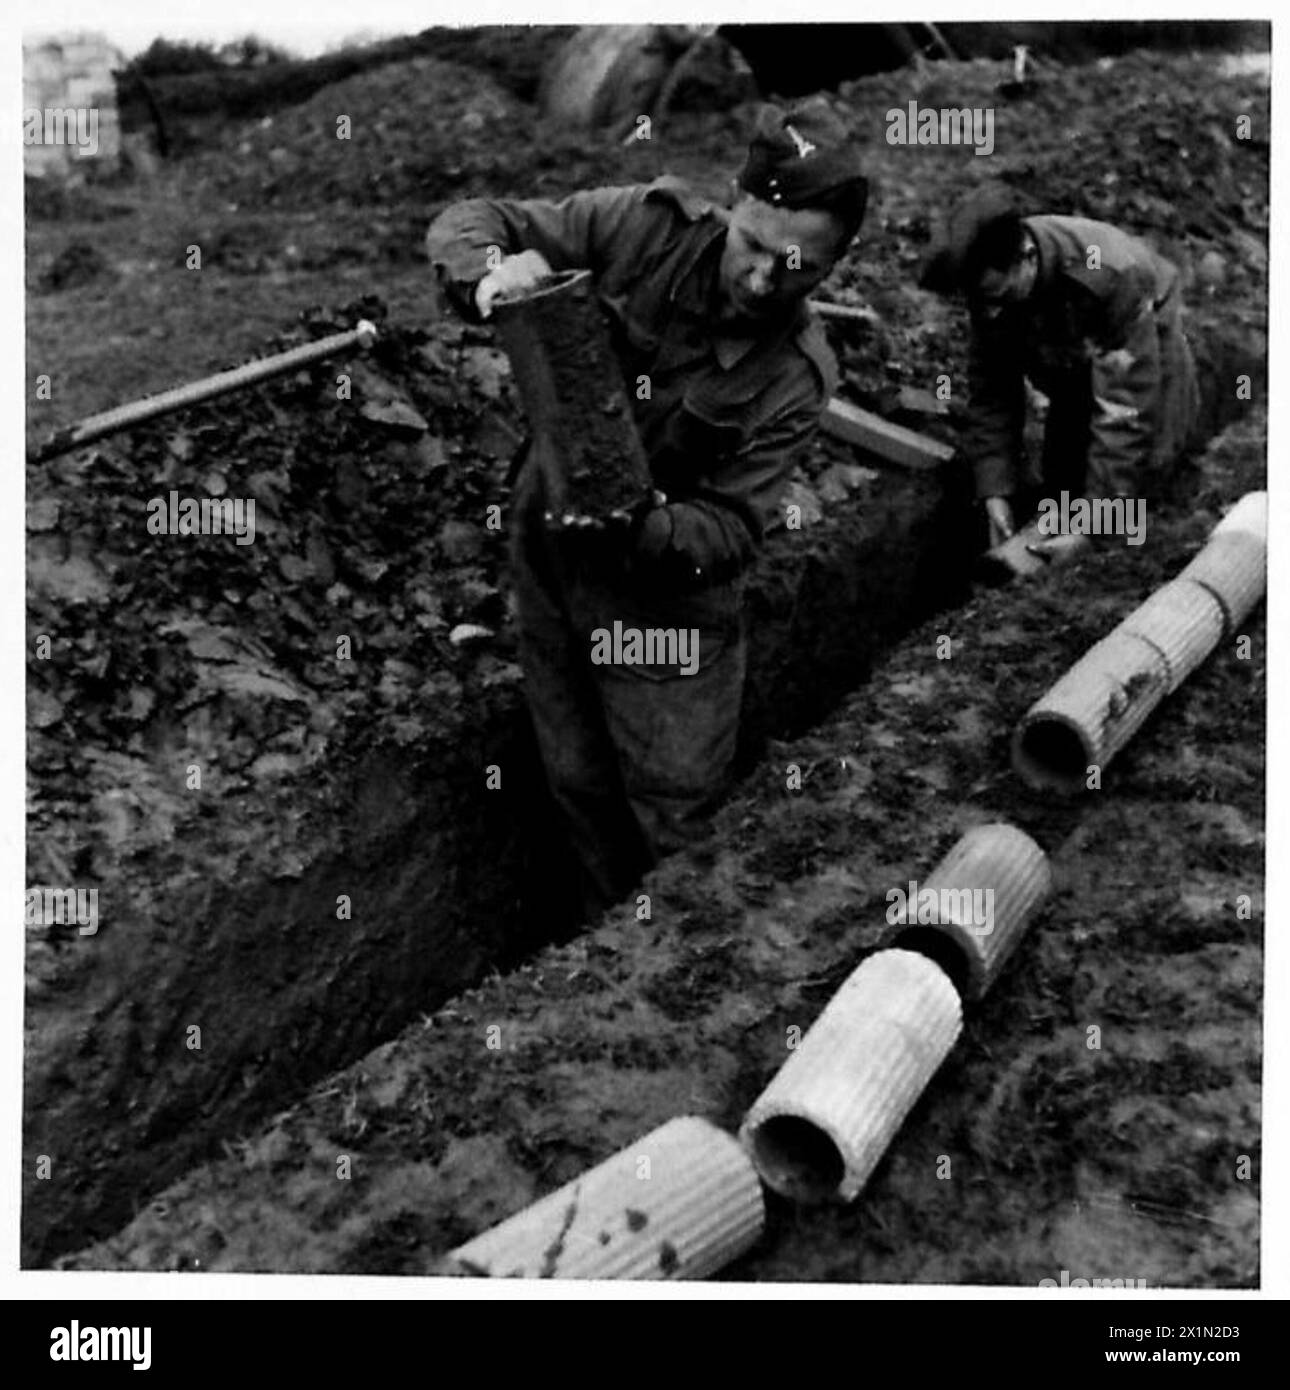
(1102, 701)
(592, 459)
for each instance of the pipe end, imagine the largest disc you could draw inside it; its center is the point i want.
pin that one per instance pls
(1051, 753)
(796, 1158)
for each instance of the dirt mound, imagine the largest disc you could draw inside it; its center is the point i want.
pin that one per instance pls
(422, 131)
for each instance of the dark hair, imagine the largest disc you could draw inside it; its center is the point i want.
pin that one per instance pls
(847, 202)
(998, 245)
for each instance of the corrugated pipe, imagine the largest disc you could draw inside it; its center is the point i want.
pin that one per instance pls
(1104, 699)
(820, 1127)
(678, 1204)
(1233, 566)
(978, 901)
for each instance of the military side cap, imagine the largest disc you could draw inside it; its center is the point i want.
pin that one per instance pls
(797, 156)
(943, 265)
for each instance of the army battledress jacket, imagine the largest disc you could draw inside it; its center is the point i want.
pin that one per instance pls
(637, 755)
(1104, 328)
(725, 413)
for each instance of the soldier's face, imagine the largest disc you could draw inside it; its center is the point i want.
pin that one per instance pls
(774, 257)
(1000, 290)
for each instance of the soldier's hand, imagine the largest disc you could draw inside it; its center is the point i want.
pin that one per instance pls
(514, 275)
(620, 524)
(1057, 550)
(998, 511)
(611, 544)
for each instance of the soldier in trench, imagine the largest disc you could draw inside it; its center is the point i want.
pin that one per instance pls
(1092, 317)
(707, 305)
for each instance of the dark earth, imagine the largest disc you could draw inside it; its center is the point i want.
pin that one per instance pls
(366, 777)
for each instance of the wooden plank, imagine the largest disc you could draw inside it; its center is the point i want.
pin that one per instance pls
(860, 312)
(1013, 556)
(891, 442)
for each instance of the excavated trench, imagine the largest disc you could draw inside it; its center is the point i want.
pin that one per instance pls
(447, 881)
(516, 1087)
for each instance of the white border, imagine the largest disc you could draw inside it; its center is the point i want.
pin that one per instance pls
(130, 24)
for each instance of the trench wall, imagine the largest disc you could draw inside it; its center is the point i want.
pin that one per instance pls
(446, 880)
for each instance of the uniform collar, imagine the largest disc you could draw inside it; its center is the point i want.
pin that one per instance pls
(1049, 256)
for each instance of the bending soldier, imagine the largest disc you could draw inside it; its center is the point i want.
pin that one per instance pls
(1092, 318)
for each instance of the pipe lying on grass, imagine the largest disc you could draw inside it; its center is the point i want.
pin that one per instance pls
(1091, 713)
(985, 892)
(1233, 567)
(820, 1127)
(1183, 621)
(678, 1204)
(1249, 517)
(1102, 701)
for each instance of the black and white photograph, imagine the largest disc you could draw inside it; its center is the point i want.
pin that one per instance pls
(646, 653)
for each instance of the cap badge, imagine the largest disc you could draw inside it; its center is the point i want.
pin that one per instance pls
(804, 147)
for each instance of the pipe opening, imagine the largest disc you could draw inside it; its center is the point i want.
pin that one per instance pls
(1050, 753)
(941, 949)
(798, 1159)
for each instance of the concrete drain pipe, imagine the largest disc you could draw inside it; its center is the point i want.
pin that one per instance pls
(818, 1130)
(1102, 701)
(820, 1127)
(686, 1200)
(984, 894)
(678, 1204)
